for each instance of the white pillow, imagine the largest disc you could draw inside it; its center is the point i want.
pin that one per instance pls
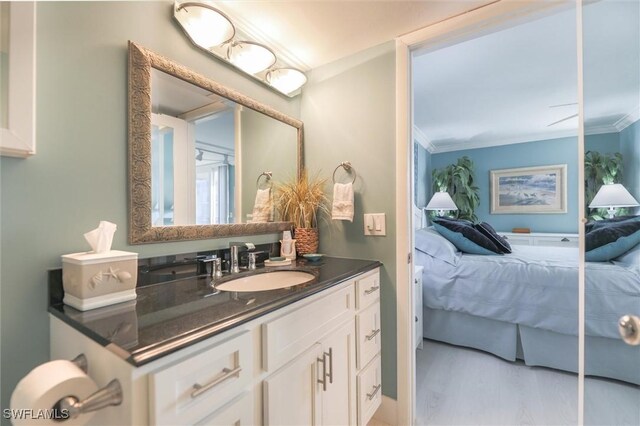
(430, 242)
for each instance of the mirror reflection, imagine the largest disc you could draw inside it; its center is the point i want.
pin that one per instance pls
(496, 175)
(197, 178)
(611, 32)
(207, 153)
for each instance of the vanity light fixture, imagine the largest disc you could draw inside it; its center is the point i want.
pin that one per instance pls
(212, 31)
(206, 26)
(250, 57)
(286, 80)
(441, 202)
(611, 196)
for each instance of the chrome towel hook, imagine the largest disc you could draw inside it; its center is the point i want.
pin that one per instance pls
(348, 168)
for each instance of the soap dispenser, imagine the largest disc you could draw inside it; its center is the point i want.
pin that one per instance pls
(287, 246)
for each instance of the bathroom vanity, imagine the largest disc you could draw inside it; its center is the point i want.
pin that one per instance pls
(187, 354)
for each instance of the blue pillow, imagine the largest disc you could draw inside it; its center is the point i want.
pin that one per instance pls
(613, 249)
(464, 244)
(604, 223)
(488, 231)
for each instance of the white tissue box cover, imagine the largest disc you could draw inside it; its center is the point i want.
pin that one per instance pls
(92, 280)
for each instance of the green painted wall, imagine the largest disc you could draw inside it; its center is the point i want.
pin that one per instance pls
(267, 145)
(348, 109)
(79, 175)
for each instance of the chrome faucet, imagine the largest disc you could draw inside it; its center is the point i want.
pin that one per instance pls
(234, 248)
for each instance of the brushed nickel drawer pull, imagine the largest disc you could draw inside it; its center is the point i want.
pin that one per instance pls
(372, 289)
(372, 395)
(565, 240)
(373, 334)
(323, 380)
(199, 389)
(330, 355)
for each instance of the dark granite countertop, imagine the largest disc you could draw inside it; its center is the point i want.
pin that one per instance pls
(172, 315)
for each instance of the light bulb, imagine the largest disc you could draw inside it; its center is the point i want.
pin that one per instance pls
(206, 25)
(250, 57)
(286, 80)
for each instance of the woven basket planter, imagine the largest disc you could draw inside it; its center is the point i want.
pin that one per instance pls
(306, 240)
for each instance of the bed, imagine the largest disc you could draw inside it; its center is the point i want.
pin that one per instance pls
(524, 305)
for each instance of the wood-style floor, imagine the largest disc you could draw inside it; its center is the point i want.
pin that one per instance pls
(461, 386)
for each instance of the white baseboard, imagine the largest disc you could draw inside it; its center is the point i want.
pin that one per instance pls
(387, 412)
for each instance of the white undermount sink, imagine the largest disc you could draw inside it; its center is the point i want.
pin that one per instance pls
(266, 281)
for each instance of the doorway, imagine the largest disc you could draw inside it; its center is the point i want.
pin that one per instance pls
(486, 20)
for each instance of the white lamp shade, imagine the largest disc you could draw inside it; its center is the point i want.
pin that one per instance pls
(250, 57)
(613, 195)
(206, 25)
(441, 201)
(286, 80)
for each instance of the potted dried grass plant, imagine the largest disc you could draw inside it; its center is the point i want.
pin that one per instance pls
(302, 202)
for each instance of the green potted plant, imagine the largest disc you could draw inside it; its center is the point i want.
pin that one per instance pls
(302, 202)
(458, 180)
(600, 169)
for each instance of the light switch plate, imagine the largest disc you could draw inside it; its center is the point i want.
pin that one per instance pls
(375, 224)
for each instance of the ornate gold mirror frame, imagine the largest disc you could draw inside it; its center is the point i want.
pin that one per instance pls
(141, 231)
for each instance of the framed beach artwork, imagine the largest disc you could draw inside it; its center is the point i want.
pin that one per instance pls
(529, 190)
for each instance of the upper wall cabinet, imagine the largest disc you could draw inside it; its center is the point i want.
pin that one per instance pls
(17, 78)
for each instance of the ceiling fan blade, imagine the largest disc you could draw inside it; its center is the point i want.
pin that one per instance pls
(563, 105)
(564, 119)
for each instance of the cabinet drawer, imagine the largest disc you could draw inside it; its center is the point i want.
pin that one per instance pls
(369, 341)
(238, 412)
(369, 391)
(518, 240)
(292, 333)
(367, 289)
(190, 390)
(559, 241)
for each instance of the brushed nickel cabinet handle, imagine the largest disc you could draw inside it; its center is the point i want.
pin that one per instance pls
(372, 395)
(199, 389)
(565, 240)
(372, 289)
(323, 380)
(330, 355)
(373, 334)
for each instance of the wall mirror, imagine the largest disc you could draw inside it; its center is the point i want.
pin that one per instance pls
(198, 152)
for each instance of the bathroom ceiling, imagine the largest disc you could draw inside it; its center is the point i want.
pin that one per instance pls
(309, 34)
(510, 86)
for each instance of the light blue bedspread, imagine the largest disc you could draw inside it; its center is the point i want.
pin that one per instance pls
(534, 286)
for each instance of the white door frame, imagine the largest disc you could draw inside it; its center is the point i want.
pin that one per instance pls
(483, 20)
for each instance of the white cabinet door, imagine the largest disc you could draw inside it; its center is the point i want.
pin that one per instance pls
(292, 395)
(339, 400)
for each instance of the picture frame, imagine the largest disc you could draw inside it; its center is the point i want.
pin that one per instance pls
(529, 190)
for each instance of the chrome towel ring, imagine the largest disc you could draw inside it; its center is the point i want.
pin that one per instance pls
(349, 169)
(268, 176)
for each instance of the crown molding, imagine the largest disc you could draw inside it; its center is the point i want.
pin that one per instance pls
(253, 33)
(423, 140)
(628, 119)
(457, 146)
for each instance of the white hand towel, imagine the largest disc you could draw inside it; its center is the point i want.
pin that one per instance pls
(342, 208)
(262, 206)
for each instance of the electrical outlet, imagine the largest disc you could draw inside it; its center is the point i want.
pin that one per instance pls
(375, 224)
